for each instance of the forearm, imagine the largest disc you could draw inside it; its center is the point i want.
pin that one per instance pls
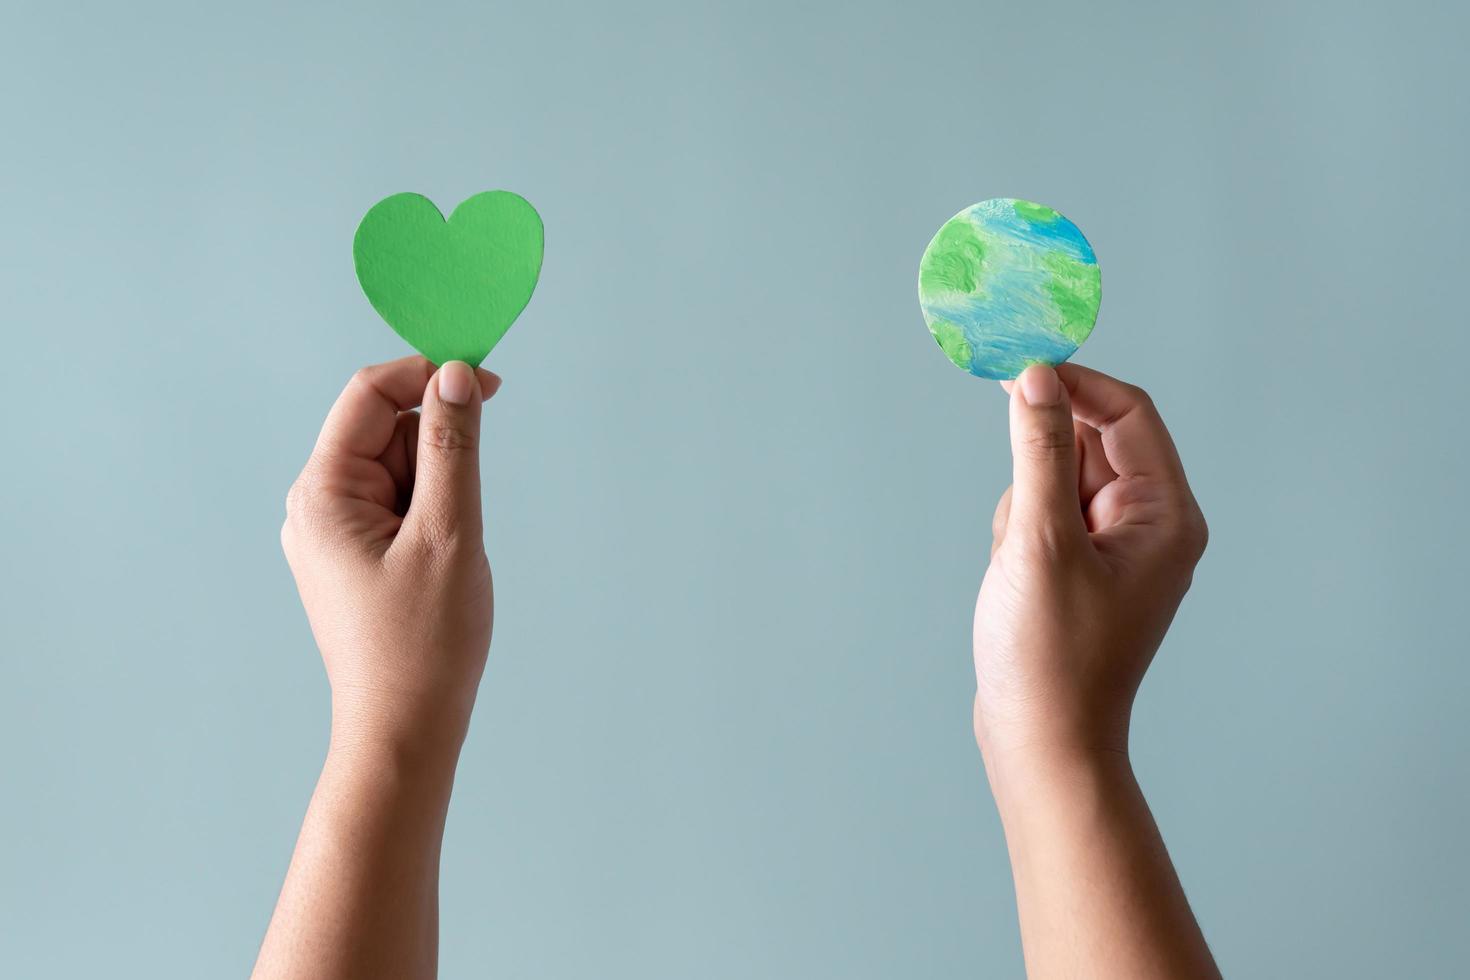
(1097, 893)
(361, 896)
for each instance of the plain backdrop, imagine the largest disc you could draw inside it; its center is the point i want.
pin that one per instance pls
(738, 500)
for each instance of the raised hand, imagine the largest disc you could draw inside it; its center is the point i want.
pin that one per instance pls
(1094, 547)
(384, 534)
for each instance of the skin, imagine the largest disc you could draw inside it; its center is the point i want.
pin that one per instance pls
(385, 537)
(1095, 544)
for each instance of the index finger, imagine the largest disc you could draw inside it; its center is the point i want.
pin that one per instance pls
(1134, 437)
(362, 420)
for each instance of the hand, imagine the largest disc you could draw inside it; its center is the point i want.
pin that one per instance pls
(1094, 547)
(384, 535)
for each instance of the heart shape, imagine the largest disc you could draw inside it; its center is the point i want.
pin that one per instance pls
(450, 288)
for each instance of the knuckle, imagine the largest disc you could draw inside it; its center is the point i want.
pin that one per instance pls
(297, 498)
(446, 435)
(1191, 535)
(361, 378)
(1198, 534)
(1049, 443)
(303, 508)
(1139, 396)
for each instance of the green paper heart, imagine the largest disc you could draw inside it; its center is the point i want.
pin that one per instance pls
(450, 288)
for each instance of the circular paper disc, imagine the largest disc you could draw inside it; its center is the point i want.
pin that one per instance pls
(1008, 283)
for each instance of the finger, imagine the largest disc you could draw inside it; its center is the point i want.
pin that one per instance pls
(401, 456)
(1044, 496)
(398, 459)
(446, 495)
(362, 421)
(1093, 470)
(999, 521)
(408, 423)
(1134, 438)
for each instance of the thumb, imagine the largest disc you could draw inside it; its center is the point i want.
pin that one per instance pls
(1044, 499)
(446, 494)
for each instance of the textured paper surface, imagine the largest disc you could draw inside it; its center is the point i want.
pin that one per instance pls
(1006, 284)
(450, 288)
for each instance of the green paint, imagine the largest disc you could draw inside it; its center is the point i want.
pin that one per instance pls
(450, 288)
(1076, 289)
(952, 341)
(952, 260)
(1038, 214)
(1008, 283)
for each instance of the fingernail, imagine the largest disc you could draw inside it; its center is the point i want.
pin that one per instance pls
(456, 382)
(1040, 386)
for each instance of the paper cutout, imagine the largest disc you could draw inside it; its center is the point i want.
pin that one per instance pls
(1006, 284)
(450, 288)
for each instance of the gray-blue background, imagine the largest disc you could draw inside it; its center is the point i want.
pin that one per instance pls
(738, 498)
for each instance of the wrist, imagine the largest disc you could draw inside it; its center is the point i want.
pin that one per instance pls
(1052, 739)
(1026, 776)
(391, 764)
(392, 742)
(386, 790)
